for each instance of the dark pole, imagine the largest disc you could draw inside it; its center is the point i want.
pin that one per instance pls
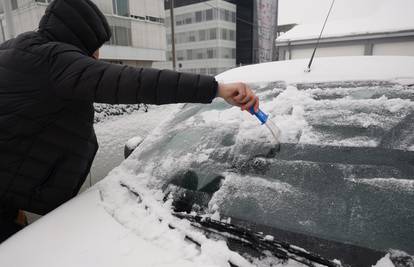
(174, 60)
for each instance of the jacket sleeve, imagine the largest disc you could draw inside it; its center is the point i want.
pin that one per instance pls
(76, 76)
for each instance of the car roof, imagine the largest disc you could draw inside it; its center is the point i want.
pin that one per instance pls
(359, 68)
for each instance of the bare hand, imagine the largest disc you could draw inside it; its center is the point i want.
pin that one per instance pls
(239, 94)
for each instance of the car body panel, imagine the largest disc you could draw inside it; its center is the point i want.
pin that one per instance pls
(81, 233)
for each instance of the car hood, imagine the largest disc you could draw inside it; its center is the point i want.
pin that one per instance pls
(81, 233)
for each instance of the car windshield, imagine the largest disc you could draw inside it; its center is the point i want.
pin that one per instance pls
(344, 172)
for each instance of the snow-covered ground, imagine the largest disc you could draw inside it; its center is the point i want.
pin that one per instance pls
(113, 133)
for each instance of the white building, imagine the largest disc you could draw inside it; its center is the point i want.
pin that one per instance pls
(389, 31)
(137, 26)
(205, 36)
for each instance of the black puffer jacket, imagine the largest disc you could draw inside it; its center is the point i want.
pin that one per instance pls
(48, 83)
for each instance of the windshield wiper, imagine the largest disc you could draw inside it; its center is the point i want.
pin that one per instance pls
(256, 241)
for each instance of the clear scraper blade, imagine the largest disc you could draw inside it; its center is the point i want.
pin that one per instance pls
(274, 130)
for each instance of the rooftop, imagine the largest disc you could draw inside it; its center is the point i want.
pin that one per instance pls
(391, 17)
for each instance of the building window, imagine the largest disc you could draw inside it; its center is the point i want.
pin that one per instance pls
(227, 52)
(233, 17)
(199, 55)
(232, 35)
(121, 31)
(14, 5)
(180, 55)
(224, 34)
(154, 19)
(121, 36)
(202, 35)
(189, 54)
(198, 16)
(213, 34)
(192, 37)
(210, 53)
(205, 53)
(205, 15)
(209, 14)
(121, 7)
(221, 14)
(227, 15)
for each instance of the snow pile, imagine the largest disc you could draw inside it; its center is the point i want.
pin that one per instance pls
(393, 16)
(298, 112)
(286, 112)
(106, 111)
(384, 262)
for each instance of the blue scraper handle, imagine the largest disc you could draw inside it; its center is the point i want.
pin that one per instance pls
(261, 116)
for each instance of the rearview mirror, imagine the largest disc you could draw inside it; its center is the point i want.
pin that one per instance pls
(131, 145)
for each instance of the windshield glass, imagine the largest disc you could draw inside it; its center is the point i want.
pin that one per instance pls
(344, 172)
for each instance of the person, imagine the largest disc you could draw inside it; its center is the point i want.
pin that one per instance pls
(49, 80)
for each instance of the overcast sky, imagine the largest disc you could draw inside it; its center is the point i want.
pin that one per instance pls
(305, 11)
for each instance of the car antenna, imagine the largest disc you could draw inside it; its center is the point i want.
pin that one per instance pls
(319, 39)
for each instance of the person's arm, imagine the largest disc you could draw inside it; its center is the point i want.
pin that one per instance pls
(76, 76)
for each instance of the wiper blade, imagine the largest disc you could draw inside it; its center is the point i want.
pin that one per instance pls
(171, 226)
(256, 241)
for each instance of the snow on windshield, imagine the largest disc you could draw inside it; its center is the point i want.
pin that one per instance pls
(204, 142)
(142, 211)
(356, 116)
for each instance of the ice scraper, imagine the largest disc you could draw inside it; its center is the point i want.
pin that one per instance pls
(274, 130)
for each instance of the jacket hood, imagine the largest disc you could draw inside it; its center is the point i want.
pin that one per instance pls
(76, 22)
